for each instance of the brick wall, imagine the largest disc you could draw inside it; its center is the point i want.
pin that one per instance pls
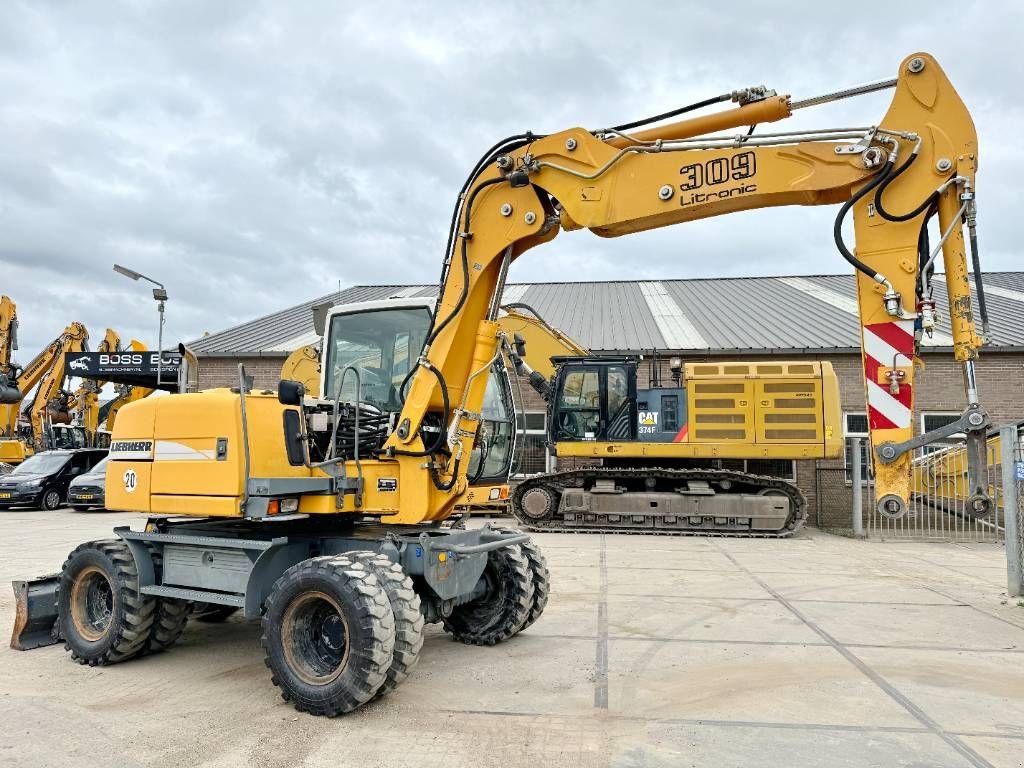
(223, 371)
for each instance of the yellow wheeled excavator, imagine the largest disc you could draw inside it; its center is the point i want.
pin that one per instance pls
(325, 518)
(662, 446)
(47, 412)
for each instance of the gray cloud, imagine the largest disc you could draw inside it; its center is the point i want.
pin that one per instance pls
(252, 155)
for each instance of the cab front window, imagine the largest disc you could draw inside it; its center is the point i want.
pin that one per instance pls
(379, 346)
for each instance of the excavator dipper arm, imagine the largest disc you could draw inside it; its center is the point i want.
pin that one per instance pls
(918, 160)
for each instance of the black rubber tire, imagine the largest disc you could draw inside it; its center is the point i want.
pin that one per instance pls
(211, 613)
(50, 500)
(405, 604)
(369, 624)
(503, 610)
(541, 581)
(171, 615)
(168, 624)
(131, 614)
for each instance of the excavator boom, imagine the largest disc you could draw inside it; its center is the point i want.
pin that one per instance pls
(917, 161)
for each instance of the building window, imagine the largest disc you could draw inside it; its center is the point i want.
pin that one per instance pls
(936, 419)
(856, 425)
(531, 456)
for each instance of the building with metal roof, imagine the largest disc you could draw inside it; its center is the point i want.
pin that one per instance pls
(798, 317)
(707, 316)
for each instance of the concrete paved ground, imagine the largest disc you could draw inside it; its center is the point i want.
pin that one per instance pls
(654, 651)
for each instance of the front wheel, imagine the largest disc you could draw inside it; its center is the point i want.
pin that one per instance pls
(50, 500)
(504, 607)
(328, 635)
(101, 614)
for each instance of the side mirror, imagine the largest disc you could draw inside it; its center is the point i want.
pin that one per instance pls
(290, 392)
(320, 317)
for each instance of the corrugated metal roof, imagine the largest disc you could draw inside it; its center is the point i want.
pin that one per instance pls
(814, 312)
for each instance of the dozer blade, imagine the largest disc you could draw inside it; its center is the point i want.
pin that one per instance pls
(35, 618)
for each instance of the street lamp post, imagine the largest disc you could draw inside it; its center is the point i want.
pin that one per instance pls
(160, 294)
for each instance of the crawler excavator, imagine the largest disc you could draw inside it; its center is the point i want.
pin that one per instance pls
(46, 412)
(661, 446)
(325, 519)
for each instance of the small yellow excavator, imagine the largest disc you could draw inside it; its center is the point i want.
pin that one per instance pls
(325, 518)
(47, 412)
(679, 455)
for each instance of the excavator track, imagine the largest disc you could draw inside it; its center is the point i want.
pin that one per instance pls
(535, 517)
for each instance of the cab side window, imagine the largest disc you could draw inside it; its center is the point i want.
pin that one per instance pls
(580, 405)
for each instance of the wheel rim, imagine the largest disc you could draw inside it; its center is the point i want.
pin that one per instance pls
(52, 499)
(314, 634)
(537, 503)
(92, 603)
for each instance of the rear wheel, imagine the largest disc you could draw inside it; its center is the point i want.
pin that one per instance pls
(50, 500)
(541, 581)
(168, 624)
(102, 616)
(328, 635)
(405, 604)
(504, 607)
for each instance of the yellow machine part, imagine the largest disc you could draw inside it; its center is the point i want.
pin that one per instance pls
(940, 478)
(303, 365)
(174, 465)
(14, 451)
(778, 410)
(164, 460)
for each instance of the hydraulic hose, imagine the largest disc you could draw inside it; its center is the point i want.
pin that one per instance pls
(465, 236)
(837, 230)
(436, 477)
(674, 113)
(439, 440)
(892, 177)
(978, 287)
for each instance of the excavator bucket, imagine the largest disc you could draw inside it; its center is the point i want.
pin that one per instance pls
(35, 618)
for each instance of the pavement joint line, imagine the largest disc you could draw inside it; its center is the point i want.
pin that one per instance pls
(661, 595)
(888, 688)
(949, 568)
(770, 643)
(601, 661)
(762, 724)
(973, 607)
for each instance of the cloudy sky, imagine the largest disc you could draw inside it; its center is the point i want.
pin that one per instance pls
(251, 155)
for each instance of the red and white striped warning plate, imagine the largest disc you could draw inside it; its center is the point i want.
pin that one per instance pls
(888, 345)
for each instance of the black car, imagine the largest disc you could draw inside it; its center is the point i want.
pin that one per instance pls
(42, 479)
(86, 491)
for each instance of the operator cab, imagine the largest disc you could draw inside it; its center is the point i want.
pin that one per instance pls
(597, 399)
(370, 347)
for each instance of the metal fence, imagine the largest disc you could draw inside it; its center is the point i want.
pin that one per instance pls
(938, 505)
(1012, 477)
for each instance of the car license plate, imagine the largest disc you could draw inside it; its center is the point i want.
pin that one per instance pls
(86, 496)
(4, 495)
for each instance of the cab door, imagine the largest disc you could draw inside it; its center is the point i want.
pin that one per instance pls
(595, 402)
